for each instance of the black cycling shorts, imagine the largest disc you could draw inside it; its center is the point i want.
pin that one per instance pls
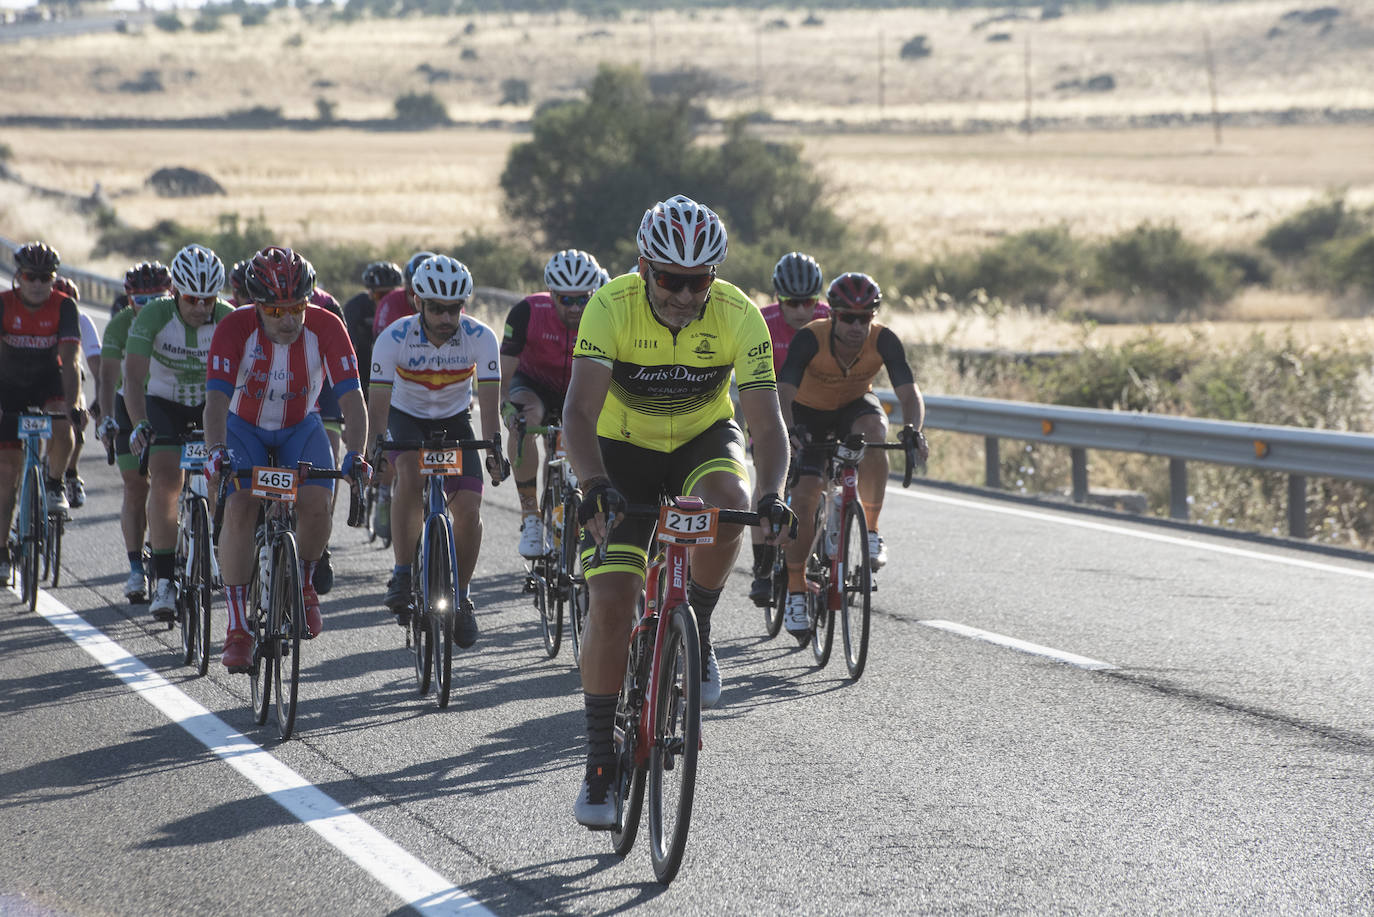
(171, 419)
(15, 398)
(645, 476)
(403, 427)
(836, 424)
(549, 397)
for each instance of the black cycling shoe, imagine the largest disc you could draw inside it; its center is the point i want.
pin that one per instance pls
(324, 574)
(761, 591)
(465, 624)
(397, 596)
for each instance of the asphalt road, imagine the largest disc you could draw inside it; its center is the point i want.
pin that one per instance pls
(1214, 755)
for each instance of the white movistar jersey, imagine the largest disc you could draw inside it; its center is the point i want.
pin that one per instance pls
(434, 382)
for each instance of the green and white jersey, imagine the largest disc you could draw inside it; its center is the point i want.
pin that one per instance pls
(116, 338)
(176, 352)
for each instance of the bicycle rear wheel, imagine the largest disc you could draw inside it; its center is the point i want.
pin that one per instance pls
(857, 589)
(676, 739)
(442, 601)
(822, 622)
(264, 647)
(547, 594)
(288, 612)
(31, 538)
(200, 591)
(421, 643)
(571, 579)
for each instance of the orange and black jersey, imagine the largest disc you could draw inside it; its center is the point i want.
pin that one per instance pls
(824, 383)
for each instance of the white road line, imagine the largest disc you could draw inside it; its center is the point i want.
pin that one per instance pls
(415, 883)
(1079, 522)
(1082, 662)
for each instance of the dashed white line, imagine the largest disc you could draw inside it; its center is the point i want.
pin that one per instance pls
(415, 883)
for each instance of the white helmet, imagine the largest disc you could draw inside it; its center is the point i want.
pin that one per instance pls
(680, 231)
(197, 271)
(441, 277)
(603, 277)
(571, 271)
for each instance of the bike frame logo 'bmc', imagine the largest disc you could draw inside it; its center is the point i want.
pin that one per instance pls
(678, 563)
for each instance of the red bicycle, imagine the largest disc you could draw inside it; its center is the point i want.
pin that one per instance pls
(658, 715)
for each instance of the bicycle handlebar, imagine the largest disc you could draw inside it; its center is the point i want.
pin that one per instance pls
(356, 513)
(730, 516)
(434, 442)
(829, 446)
(178, 439)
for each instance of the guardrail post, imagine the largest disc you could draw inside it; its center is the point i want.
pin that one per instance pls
(992, 463)
(1079, 458)
(1297, 505)
(1178, 488)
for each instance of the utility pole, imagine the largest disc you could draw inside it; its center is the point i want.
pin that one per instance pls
(882, 64)
(1027, 70)
(1212, 83)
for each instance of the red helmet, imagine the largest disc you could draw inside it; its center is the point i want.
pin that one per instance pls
(854, 292)
(278, 274)
(147, 277)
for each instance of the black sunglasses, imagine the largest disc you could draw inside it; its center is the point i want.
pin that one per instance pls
(39, 278)
(675, 283)
(434, 307)
(580, 299)
(797, 303)
(853, 318)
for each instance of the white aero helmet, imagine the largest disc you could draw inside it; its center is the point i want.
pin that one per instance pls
(680, 231)
(603, 277)
(197, 271)
(572, 271)
(441, 277)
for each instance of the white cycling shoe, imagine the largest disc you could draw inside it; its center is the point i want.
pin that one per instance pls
(532, 542)
(710, 680)
(877, 551)
(795, 618)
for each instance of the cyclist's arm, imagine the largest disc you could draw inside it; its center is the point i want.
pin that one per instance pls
(513, 343)
(489, 403)
(385, 351)
(135, 378)
(761, 411)
(378, 406)
(107, 383)
(591, 381)
(799, 354)
(70, 352)
(355, 421)
(508, 365)
(903, 381)
(216, 419)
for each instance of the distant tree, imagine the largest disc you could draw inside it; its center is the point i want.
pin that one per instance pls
(325, 109)
(420, 108)
(169, 22)
(515, 91)
(916, 48)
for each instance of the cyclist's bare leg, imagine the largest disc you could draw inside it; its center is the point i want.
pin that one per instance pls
(613, 600)
(527, 468)
(805, 493)
(236, 538)
(406, 512)
(133, 514)
(873, 469)
(466, 507)
(312, 515)
(711, 564)
(62, 443)
(165, 475)
(335, 444)
(11, 463)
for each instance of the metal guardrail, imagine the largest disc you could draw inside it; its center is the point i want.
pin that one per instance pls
(1295, 451)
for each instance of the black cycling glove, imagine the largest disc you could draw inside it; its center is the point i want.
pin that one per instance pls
(601, 497)
(778, 514)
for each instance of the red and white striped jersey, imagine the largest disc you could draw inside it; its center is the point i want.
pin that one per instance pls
(274, 386)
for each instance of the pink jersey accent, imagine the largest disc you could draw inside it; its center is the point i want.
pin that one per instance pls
(394, 305)
(549, 343)
(274, 386)
(325, 300)
(782, 333)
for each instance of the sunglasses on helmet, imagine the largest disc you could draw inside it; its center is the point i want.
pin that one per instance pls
(675, 283)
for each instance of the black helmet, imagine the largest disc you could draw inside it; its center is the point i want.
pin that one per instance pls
(37, 258)
(147, 277)
(797, 276)
(382, 275)
(238, 283)
(415, 261)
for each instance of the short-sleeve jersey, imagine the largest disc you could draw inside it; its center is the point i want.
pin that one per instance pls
(90, 338)
(393, 306)
(782, 333)
(29, 337)
(434, 382)
(116, 339)
(826, 384)
(274, 386)
(176, 352)
(667, 388)
(536, 335)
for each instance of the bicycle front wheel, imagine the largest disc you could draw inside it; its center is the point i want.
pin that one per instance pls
(629, 776)
(822, 622)
(264, 647)
(442, 604)
(52, 553)
(31, 538)
(676, 739)
(548, 595)
(777, 600)
(570, 578)
(200, 591)
(420, 642)
(288, 613)
(856, 588)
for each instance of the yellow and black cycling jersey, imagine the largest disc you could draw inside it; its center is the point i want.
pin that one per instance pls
(666, 388)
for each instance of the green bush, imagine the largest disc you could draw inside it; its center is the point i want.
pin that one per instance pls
(206, 22)
(1302, 232)
(515, 91)
(1158, 262)
(169, 22)
(1348, 263)
(420, 109)
(253, 16)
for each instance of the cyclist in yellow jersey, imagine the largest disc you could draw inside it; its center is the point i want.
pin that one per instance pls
(648, 413)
